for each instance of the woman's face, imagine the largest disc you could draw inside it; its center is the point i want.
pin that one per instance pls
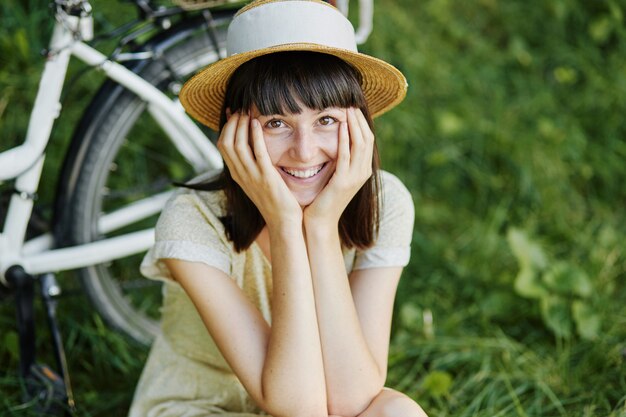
(303, 148)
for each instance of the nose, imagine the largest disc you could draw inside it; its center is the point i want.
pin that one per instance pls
(304, 145)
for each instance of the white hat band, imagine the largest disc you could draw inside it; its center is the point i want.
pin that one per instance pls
(314, 23)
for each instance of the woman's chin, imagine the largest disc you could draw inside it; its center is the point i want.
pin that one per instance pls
(305, 199)
(305, 203)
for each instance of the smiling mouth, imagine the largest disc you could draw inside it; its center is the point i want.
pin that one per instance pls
(304, 173)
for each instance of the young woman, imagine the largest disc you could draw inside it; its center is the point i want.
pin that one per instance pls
(280, 273)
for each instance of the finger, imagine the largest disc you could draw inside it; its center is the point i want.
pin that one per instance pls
(366, 131)
(226, 140)
(258, 146)
(229, 148)
(242, 145)
(356, 131)
(357, 143)
(343, 149)
(368, 137)
(228, 132)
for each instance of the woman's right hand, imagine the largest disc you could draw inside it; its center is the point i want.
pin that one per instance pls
(250, 166)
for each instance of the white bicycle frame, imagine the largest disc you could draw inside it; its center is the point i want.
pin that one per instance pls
(24, 163)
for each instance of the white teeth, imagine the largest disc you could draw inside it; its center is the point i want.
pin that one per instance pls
(308, 173)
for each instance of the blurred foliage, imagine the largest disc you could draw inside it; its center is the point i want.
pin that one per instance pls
(563, 289)
(512, 143)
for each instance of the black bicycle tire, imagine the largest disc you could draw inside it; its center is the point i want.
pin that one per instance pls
(97, 142)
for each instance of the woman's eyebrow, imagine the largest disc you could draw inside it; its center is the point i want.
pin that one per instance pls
(327, 109)
(271, 115)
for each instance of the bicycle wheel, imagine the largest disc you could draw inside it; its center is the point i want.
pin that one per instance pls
(121, 157)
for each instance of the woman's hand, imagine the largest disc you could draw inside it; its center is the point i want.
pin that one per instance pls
(353, 169)
(251, 167)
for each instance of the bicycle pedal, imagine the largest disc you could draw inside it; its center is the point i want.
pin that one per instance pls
(46, 387)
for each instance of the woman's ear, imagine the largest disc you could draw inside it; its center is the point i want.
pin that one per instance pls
(228, 113)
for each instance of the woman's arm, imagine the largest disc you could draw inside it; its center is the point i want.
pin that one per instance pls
(354, 317)
(354, 323)
(280, 366)
(294, 370)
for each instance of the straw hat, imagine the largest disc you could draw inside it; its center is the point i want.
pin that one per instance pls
(268, 26)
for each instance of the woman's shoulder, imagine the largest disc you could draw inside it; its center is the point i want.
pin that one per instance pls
(190, 228)
(189, 207)
(397, 211)
(187, 199)
(192, 209)
(191, 197)
(393, 190)
(392, 247)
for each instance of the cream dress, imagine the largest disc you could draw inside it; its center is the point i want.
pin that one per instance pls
(185, 375)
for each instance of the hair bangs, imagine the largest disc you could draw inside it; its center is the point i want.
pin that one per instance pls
(281, 83)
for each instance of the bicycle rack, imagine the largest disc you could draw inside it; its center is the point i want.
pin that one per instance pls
(51, 391)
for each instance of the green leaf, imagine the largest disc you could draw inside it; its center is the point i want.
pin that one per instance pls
(410, 316)
(11, 344)
(600, 29)
(527, 284)
(587, 320)
(497, 304)
(21, 43)
(449, 124)
(565, 75)
(528, 253)
(519, 49)
(616, 12)
(443, 156)
(568, 279)
(437, 383)
(556, 314)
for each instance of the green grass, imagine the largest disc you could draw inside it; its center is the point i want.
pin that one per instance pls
(104, 366)
(511, 140)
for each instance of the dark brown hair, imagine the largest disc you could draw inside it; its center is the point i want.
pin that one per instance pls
(276, 84)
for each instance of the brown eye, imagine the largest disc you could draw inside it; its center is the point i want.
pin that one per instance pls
(327, 120)
(274, 124)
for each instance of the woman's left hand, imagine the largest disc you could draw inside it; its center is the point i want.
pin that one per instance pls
(353, 169)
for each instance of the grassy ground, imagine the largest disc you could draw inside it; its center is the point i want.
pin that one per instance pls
(511, 141)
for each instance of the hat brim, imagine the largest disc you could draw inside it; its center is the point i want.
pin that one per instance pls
(202, 96)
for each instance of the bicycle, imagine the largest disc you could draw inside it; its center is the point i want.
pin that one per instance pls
(132, 143)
